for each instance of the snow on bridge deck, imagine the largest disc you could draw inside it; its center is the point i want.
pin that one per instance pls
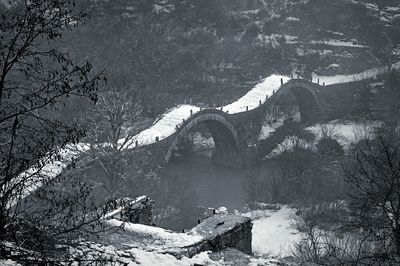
(168, 123)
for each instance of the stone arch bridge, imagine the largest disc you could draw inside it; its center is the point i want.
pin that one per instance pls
(236, 135)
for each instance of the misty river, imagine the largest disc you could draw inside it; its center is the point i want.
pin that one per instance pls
(215, 185)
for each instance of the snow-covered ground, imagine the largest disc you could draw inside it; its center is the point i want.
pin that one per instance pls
(288, 144)
(141, 257)
(269, 127)
(345, 133)
(273, 235)
(152, 259)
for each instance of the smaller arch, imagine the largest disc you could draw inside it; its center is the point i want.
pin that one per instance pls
(307, 97)
(225, 136)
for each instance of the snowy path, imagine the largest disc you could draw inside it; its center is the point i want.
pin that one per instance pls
(33, 178)
(367, 74)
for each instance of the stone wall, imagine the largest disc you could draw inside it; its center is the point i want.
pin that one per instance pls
(216, 233)
(223, 231)
(138, 211)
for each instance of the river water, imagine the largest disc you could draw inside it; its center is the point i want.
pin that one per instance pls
(215, 185)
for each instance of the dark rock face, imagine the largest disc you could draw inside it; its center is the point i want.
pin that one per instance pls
(223, 231)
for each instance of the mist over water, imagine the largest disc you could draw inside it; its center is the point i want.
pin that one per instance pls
(215, 185)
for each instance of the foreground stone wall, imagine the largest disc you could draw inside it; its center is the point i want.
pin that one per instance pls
(216, 233)
(223, 231)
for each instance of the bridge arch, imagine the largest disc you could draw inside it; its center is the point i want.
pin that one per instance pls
(226, 137)
(307, 97)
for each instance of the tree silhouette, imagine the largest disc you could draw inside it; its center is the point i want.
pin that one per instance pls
(374, 188)
(36, 78)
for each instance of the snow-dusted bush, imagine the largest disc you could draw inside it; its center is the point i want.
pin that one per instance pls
(328, 238)
(297, 174)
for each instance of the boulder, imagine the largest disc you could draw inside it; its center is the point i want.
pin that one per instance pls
(222, 231)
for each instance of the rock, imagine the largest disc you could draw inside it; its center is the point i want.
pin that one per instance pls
(223, 231)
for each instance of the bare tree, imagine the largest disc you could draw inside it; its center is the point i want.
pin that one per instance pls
(325, 243)
(112, 124)
(373, 177)
(36, 78)
(117, 116)
(385, 49)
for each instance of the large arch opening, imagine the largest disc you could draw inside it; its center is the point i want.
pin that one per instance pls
(209, 177)
(307, 103)
(224, 137)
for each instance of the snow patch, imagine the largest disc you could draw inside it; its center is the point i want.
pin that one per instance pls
(346, 133)
(392, 9)
(288, 144)
(9, 262)
(340, 43)
(270, 127)
(292, 19)
(273, 234)
(333, 66)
